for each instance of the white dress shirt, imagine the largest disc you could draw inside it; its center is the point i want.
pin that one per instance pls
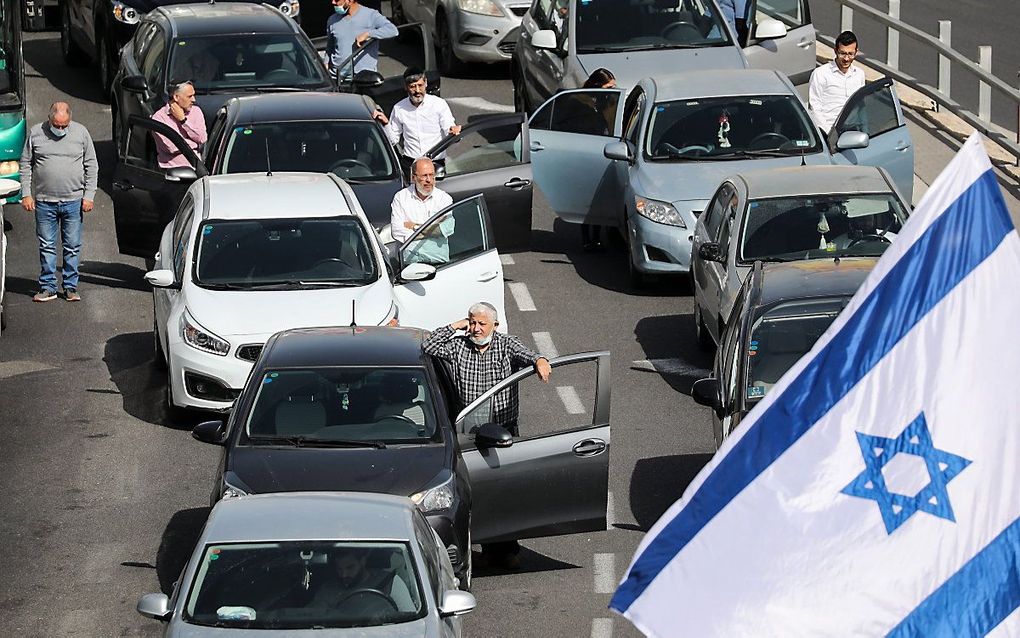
(828, 91)
(420, 127)
(408, 207)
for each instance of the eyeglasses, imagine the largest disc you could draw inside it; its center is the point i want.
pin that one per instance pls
(846, 54)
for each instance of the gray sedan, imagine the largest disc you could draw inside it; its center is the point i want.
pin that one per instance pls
(325, 564)
(809, 212)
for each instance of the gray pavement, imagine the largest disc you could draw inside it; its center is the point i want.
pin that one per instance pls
(102, 497)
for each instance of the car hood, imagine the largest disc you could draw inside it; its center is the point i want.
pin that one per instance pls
(375, 198)
(631, 67)
(264, 312)
(418, 629)
(144, 6)
(394, 470)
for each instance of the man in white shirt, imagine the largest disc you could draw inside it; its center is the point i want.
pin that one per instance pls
(415, 205)
(419, 121)
(832, 84)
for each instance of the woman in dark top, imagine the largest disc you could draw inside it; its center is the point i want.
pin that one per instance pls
(591, 234)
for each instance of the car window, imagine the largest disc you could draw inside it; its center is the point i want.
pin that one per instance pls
(792, 13)
(484, 148)
(630, 25)
(304, 585)
(215, 138)
(767, 125)
(153, 66)
(350, 149)
(143, 37)
(427, 545)
(591, 112)
(284, 253)
(809, 227)
(181, 234)
(874, 114)
(714, 212)
(459, 233)
(730, 355)
(245, 60)
(542, 11)
(729, 211)
(378, 404)
(632, 115)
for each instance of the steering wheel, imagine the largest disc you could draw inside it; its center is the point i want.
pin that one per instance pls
(868, 237)
(683, 26)
(370, 593)
(349, 163)
(331, 260)
(757, 144)
(278, 74)
(694, 147)
(401, 417)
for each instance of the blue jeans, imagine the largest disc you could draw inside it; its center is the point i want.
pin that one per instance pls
(48, 216)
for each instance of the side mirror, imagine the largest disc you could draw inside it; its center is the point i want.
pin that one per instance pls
(135, 84)
(209, 432)
(180, 174)
(440, 172)
(706, 392)
(544, 39)
(161, 278)
(418, 272)
(710, 251)
(456, 603)
(155, 606)
(849, 140)
(367, 79)
(769, 29)
(618, 151)
(493, 435)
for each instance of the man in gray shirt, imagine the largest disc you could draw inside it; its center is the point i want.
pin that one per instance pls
(58, 183)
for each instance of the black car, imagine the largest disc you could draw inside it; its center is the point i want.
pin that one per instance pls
(362, 409)
(96, 30)
(781, 311)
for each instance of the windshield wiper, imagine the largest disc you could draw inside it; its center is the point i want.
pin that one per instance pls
(222, 286)
(760, 153)
(279, 89)
(305, 441)
(297, 284)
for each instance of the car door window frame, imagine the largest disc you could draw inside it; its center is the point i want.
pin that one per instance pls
(151, 126)
(632, 111)
(550, 107)
(803, 9)
(714, 213)
(183, 222)
(216, 134)
(520, 119)
(866, 92)
(488, 240)
(155, 74)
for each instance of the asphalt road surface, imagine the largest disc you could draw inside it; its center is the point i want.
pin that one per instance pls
(102, 497)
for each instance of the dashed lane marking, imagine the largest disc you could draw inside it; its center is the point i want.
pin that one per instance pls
(522, 297)
(602, 628)
(570, 399)
(610, 509)
(544, 344)
(605, 573)
(507, 260)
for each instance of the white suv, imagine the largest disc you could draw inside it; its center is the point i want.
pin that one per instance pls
(249, 255)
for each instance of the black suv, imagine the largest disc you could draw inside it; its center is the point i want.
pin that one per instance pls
(96, 30)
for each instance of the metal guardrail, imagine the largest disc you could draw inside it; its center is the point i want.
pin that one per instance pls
(941, 95)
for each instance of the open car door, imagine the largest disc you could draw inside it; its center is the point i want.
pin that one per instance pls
(567, 137)
(449, 263)
(145, 196)
(556, 471)
(792, 53)
(412, 48)
(875, 110)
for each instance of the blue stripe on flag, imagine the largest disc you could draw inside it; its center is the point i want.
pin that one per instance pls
(961, 238)
(989, 582)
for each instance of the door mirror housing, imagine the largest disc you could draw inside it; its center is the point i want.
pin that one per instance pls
(769, 29)
(155, 606)
(367, 79)
(162, 278)
(493, 435)
(849, 140)
(706, 392)
(209, 432)
(418, 272)
(618, 151)
(456, 603)
(710, 251)
(544, 39)
(440, 172)
(180, 174)
(135, 84)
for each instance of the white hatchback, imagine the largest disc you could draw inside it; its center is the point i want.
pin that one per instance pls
(248, 255)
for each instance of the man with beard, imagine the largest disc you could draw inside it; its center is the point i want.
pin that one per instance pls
(479, 358)
(415, 205)
(419, 121)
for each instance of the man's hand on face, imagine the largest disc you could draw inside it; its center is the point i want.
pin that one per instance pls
(28, 203)
(543, 369)
(87, 205)
(177, 112)
(460, 325)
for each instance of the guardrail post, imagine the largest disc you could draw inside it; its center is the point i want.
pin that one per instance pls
(846, 18)
(946, 37)
(893, 37)
(985, 91)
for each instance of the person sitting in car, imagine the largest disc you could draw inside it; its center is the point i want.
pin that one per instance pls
(350, 575)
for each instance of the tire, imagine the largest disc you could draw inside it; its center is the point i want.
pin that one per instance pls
(449, 63)
(104, 65)
(73, 54)
(705, 343)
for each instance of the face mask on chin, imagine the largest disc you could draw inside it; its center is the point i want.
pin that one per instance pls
(341, 11)
(481, 341)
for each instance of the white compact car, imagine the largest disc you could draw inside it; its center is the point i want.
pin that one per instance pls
(248, 255)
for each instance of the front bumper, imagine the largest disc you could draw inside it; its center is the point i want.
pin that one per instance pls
(452, 528)
(482, 38)
(659, 248)
(205, 381)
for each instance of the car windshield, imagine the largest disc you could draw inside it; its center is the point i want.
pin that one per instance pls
(727, 128)
(261, 60)
(374, 406)
(816, 226)
(286, 253)
(634, 25)
(349, 149)
(305, 585)
(783, 335)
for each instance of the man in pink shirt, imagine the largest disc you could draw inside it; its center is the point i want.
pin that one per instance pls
(182, 115)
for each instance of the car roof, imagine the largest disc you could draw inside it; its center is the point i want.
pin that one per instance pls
(225, 18)
(814, 180)
(310, 516)
(813, 278)
(348, 346)
(289, 107)
(718, 83)
(280, 195)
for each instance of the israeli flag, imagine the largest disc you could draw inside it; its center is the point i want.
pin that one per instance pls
(876, 489)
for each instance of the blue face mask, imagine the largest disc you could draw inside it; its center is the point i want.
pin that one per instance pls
(59, 132)
(340, 10)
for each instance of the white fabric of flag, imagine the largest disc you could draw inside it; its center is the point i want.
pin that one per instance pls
(876, 489)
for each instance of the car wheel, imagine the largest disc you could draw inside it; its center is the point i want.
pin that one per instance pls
(705, 342)
(73, 54)
(103, 64)
(449, 63)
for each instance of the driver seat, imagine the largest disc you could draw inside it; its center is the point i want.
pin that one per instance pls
(299, 416)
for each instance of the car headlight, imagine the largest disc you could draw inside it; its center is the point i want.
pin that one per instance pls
(661, 212)
(233, 487)
(201, 339)
(125, 14)
(392, 318)
(433, 499)
(9, 167)
(481, 7)
(291, 8)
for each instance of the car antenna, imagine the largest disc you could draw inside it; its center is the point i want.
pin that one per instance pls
(269, 167)
(353, 309)
(803, 161)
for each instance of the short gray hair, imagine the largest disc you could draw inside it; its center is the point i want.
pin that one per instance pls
(484, 308)
(177, 88)
(414, 164)
(59, 107)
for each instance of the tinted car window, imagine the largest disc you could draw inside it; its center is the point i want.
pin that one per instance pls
(588, 113)
(231, 61)
(622, 25)
(875, 114)
(153, 65)
(790, 12)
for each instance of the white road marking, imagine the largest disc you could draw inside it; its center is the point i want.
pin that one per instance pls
(677, 367)
(15, 368)
(481, 104)
(610, 509)
(570, 399)
(605, 573)
(507, 260)
(544, 345)
(522, 297)
(602, 628)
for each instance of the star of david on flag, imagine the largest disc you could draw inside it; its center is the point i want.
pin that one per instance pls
(875, 490)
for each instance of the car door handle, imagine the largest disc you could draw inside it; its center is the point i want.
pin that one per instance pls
(123, 185)
(806, 43)
(488, 276)
(902, 147)
(516, 183)
(590, 447)
(535, 146)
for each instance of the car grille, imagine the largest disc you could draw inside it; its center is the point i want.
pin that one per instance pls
(509, 42)
(249, 352)
(454, 555)
(520, 11)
